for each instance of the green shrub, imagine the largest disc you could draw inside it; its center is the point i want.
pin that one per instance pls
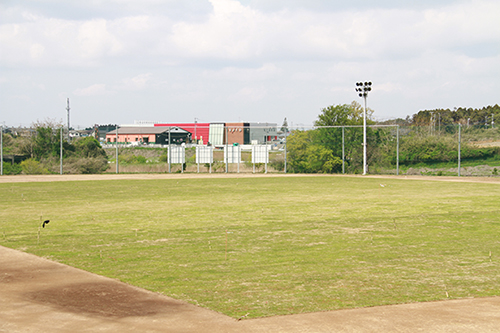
(12, 169)
(33, 167)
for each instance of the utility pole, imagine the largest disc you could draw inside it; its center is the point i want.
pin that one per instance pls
(195, 137)
(67, 109)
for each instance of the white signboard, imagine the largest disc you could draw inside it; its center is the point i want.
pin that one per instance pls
(204, 154)
(178, 155)
(232, 154)
(260, 154)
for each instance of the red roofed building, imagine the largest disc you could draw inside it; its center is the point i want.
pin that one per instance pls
(199, 131)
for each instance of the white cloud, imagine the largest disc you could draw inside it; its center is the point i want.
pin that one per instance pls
(294, 55)
(95, 41)
(265, 72)
(247, 94)
(97, 89)
(36, 51)
(138, 82)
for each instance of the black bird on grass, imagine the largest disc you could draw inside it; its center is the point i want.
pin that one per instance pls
(44, 223)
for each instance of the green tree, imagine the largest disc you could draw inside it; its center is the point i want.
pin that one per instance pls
(307, 156)
(89, 147)
(342, 115)
(329, 133)
(84, 155)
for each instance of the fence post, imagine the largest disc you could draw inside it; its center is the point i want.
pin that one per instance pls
(227, 149)
(1, 150)
(61, 152)
(286, 133)
(397, 151)
(343, 151)
(169, 151)
(459, 146)
(116, 148)
(267, 156)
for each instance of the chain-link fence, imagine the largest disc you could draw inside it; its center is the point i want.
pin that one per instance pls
(391, 149)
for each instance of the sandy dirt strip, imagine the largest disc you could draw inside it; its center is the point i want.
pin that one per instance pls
(121, 176)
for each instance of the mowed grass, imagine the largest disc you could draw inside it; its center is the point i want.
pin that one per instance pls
(268, 246)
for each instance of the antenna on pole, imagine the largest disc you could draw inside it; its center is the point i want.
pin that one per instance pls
(67, 109)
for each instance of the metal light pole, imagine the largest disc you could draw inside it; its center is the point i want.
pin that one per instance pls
(363, 89)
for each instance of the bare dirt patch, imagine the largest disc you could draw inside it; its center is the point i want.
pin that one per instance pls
(107, 299)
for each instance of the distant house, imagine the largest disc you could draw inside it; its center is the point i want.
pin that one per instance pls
(156, 135)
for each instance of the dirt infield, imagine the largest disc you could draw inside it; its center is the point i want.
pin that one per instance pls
(38, 295)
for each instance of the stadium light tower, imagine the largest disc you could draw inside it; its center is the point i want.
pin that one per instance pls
(363, 89)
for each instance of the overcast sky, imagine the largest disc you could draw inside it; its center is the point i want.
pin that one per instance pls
(249, 60)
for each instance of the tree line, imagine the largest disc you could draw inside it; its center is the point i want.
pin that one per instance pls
(42, 147)
(321, 150)
(466, 116)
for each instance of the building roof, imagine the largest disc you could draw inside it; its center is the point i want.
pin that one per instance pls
(146, 130)
(198, 130)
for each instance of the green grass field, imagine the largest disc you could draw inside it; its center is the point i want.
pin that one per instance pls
(268, 246)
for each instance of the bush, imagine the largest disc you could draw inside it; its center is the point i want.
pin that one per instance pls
(132, 159)
(33, 167)
(12, 169)
(91, 165)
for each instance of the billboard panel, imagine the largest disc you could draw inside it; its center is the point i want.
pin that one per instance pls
(232, 154)
(178, 155)
(260, 154)
(204, 155)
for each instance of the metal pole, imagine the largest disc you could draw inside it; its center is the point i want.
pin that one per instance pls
(198, 156)
(169, 151)
(267, 156)
(397, 151)
(459, 148)
(67, 109)
(117, 170)
(286, 135)
(227, 150)
(238, 155)
(1, 150)
(195, 137)
(61, 152)
(364, 139)
(343, 151)
(179, 155)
